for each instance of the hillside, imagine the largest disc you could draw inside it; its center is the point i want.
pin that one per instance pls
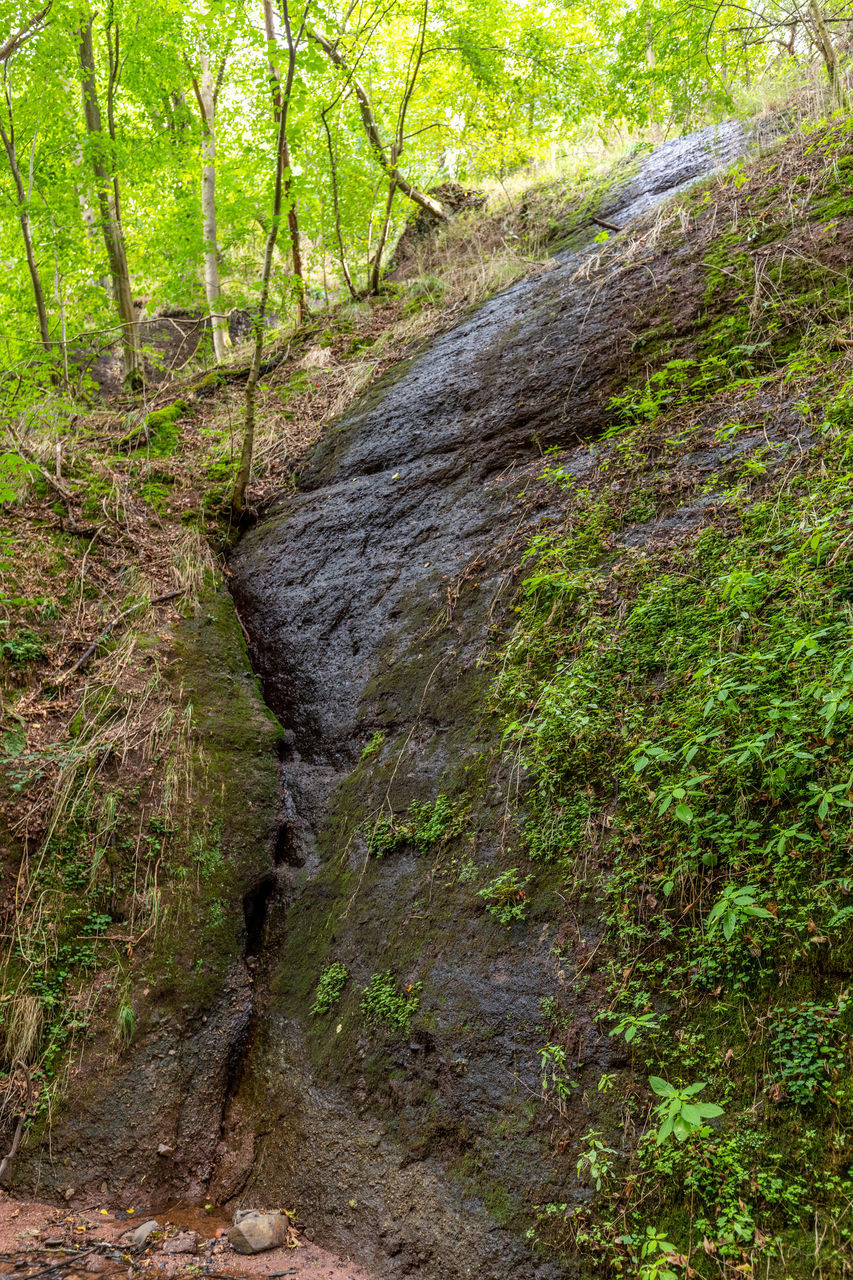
(478, 889)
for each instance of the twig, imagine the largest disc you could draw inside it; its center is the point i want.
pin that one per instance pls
(19, 1128)
(599, 222)
(86, 657)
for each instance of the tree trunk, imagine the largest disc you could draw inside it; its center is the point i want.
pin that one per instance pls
(244, 470)
(371, 128)
(24, 196)
(333, 172)
(376, 272)
(278, 107)
(218, 323)
(830, 57)
(110, 221)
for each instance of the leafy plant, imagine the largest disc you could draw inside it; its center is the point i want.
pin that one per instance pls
(631, 1024)
(655, 1254)
(333, 979)
(24, 647)
(427, 824)
(374, 744)
(556, 1079)
(382, 1001)
(506, 896)
(806, 1051)
(594, 1163)
(678, 1114)
(735, 906)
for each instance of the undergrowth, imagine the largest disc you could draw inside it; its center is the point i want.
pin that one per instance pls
(683, 702)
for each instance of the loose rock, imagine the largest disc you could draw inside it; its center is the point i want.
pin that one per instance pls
(255, 1232)
(138, 1238)
(183, 1242)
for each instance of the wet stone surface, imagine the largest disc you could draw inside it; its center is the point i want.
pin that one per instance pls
(370, 595)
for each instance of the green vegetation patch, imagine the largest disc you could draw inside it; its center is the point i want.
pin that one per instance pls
(333, 979)
(683, 704)
(384, 1004)
(425, 826)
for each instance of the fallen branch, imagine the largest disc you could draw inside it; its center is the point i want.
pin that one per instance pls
(19, 1128)
(609, 226)
(86, 657)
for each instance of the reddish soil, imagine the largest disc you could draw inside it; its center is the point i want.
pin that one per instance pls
(35, 1237)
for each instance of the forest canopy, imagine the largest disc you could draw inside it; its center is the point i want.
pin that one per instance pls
(157, 155)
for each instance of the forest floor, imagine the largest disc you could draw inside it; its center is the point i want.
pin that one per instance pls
(41, 1240)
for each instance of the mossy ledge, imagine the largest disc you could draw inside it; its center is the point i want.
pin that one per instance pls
(145, 1119)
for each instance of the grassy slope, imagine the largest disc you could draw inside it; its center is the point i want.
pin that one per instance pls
(680, 684)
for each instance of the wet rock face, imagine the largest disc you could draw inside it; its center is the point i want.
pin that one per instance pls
(369, 596)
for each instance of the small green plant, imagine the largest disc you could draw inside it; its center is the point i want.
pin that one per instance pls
(655, 1254)
(734, 907)
(631, 1024)
(24, 647)
(383, 835)
(382, 1002)
(595, 1165)
(374, 744)
(333, 979)
(125, 1024)
(806, 1052)
(678, 1114)
(506, 896)
(556, 1080)
(427, 824)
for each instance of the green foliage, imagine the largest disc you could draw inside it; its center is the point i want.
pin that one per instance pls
(506, 896)
(384, 1004)
(806, 1051)
(557, 1081)
(374, 744)
(679, 692)
(333, 979)
(14, 472)
(679, 1114)
(631, 1025)
(735, 906)
(595, 1164)
(655, 1254)
(427, 825)
(24, 647)
(125, 1024)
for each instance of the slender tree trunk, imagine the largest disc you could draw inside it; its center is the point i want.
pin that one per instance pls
(376, 272)
(272, 34)
(830, 57)
(333, 170)
(244, 469)
(218, 323)
(387, 160)
(24, 196)
(109, 216)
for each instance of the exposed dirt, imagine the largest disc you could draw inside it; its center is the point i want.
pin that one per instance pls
(38, 1239)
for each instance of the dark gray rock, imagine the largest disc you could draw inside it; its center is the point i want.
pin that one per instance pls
(183, 1242)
